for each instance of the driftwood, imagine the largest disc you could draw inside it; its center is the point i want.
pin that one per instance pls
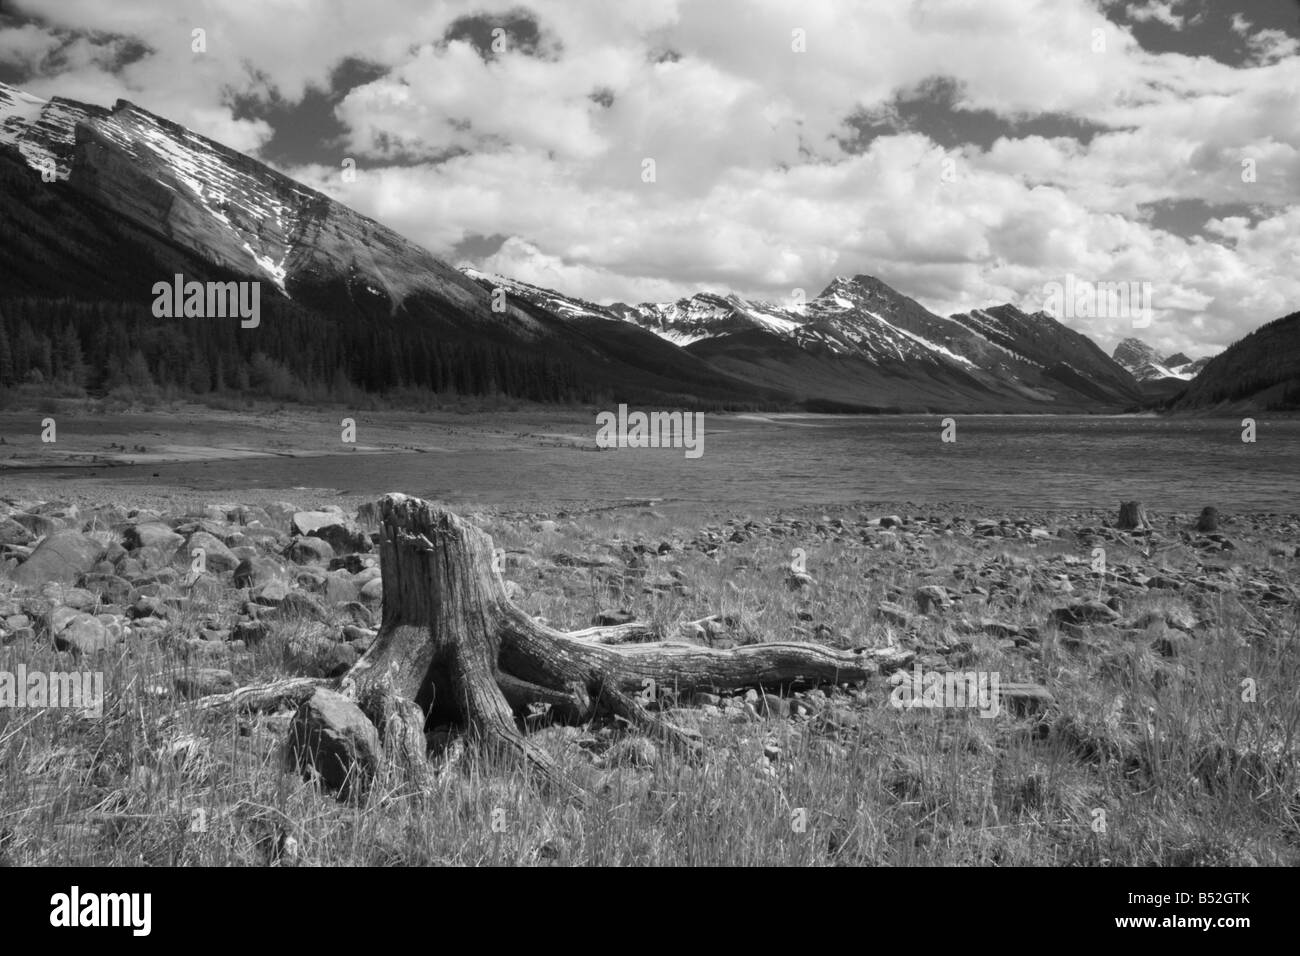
(453, 648)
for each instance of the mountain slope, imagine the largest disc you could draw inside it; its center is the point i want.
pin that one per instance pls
(1257, 373)
(136, 199)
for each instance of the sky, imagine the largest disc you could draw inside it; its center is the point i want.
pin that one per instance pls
(966, 152)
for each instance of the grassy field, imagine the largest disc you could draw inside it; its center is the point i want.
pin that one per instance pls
(1151, 750)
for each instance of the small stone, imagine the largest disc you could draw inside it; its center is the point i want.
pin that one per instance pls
(203, 681)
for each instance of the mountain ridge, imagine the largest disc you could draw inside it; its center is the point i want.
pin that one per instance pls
(125, 177)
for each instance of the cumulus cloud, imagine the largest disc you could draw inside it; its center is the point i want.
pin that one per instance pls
(760, 183)
(1156, 10)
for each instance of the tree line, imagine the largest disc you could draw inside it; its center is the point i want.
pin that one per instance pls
(119, 348)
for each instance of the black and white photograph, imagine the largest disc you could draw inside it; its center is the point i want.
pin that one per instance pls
(671, 433)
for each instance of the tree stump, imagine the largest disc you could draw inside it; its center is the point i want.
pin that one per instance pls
(1208, 521)
(1132, 515)
(452, 647)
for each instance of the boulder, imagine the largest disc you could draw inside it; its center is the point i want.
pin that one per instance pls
(309, 549)
(254, 572)
(330, 734)
(152, 534)
(216, 556)
(332, 526)
(11, 532)
(85, 634)
(62, 557)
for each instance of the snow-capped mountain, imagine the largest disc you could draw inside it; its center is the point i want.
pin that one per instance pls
(862, 342)
(1147, 366)
(136, 198)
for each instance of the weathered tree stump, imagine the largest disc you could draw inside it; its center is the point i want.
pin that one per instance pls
(1208, 521)
(1132, 515)
(453, 647)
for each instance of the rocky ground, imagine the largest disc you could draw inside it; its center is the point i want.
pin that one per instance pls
(1148, 682)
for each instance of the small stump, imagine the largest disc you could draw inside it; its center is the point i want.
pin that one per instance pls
(1208, 521)
(1132, 516)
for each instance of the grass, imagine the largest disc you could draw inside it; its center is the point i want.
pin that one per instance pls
(1148, 757)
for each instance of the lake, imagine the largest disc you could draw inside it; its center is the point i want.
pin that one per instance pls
(1004, 462)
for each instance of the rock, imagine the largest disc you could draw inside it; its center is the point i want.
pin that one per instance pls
(310, 578)
(109, 588)
(85, 635)
(203, 681)
(331, 735)
(631, 752)
(247, 514)
(359, 614)
(271, 594)
(770, 705)
(306, 550)
(333, 527)
(1084, 612)
(893, 613)
(1208, 520)
(353, 563)
(341, 587)
(152, 534)
(11, 532)
(932, 597)
(372, 592)
(339, 658)
(251, 632)
(216, 556)
(77, 598)
(298, 604)
(999, 628)
(1026, 700)
(252, 572)
(38, 526)
(62, 557)
(148, 605)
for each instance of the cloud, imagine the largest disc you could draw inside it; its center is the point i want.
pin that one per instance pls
(1162, 12)
(762, 181)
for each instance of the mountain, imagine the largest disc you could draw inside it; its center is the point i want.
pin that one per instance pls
(98, 205)
(1146, 364)
(135, 199)
(1258, 373)
(861, 344)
